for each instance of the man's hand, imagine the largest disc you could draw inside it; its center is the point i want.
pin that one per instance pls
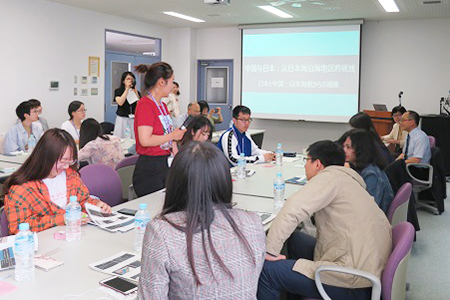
(401, 156)
(269, 156)
(271, 257)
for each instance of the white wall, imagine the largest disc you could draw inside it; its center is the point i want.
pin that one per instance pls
(408, 56)
(182, 58)
(43, 41)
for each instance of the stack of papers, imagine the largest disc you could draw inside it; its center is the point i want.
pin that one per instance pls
(111, 222)
(123, 264)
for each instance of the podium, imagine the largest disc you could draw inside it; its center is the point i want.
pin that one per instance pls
(382, 121)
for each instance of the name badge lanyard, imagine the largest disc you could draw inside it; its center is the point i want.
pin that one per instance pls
(76, 130)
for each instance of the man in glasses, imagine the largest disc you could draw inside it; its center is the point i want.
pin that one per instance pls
(352, 231)
(17, 137)
(417, 145)
(237, 140)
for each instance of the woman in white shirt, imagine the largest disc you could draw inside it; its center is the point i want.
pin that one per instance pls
(77, 113)
(397, 136)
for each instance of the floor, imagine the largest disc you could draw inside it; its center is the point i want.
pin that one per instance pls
(429, 264)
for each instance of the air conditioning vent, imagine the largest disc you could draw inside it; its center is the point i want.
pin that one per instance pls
(432, 2)
(218, 2)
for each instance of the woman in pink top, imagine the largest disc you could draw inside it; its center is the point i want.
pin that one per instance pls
(98, 148)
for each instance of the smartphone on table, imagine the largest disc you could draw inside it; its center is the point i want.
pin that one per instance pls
(120, 284)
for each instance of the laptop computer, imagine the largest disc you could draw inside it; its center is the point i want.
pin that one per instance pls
(380, 107)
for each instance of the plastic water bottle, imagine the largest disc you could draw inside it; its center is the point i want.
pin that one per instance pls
(241, 166)
(279, 155)
(128, 132)
(141, 219)
(24, 253)
(73, 220)
(31, 143)
(278, 192)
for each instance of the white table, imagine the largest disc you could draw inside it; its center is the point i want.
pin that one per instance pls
(4, 175)
(75, 276)
(16, 159)
(261, 183)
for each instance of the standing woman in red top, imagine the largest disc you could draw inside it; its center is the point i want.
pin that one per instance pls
(153, 129)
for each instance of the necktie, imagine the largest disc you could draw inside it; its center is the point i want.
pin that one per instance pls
(407, 145)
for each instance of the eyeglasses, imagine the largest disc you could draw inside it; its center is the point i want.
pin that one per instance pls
(245, 120)
(403, 120)
(67, 162)
(82, 110)
(305, 159)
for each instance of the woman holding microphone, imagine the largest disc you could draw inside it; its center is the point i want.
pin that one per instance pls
(154, 130)
(125, 109)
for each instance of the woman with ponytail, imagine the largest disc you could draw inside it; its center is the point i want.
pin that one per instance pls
(153, 129)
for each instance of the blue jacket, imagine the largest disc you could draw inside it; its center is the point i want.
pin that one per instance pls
(378, 186)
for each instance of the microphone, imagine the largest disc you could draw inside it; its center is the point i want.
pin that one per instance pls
(401, 93)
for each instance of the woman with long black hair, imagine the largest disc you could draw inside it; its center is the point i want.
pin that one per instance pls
(200, 246)
(125, 109)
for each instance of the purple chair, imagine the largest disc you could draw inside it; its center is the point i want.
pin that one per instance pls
(4, 224)
(125, 169)
(398, 211)
(393, 279)
(432, 141)
(104, 182)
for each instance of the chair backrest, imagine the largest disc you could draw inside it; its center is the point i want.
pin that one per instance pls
(127, 161)
(4, 224)
(103, 182)
(398, 211)
(393, 280)
(432, 141)
(125, 169)
(107, 127)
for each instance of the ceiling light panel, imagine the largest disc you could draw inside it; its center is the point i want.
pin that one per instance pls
(184, 17)
(276, 11)
(389, 5)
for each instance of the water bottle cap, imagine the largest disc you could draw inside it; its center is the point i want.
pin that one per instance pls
(73, 199)
(279, 174)
(142, 205)
(242, 154)
(24, 226)
(279, 145)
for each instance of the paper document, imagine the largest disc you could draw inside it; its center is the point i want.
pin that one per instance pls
(297, 180)
(266, 217)
(112, 222)
(132, 97)
(124, 264)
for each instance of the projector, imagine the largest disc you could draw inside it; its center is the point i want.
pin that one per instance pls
(218, 2)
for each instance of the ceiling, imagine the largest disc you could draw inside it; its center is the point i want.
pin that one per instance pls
(247, 12)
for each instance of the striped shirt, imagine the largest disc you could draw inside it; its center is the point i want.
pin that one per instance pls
(30, 203)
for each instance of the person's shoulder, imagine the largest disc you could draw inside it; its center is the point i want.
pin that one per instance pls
(72, 174)
(65, 124)
(113, 138)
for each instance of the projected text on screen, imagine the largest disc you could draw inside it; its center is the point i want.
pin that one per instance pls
(309, 73)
